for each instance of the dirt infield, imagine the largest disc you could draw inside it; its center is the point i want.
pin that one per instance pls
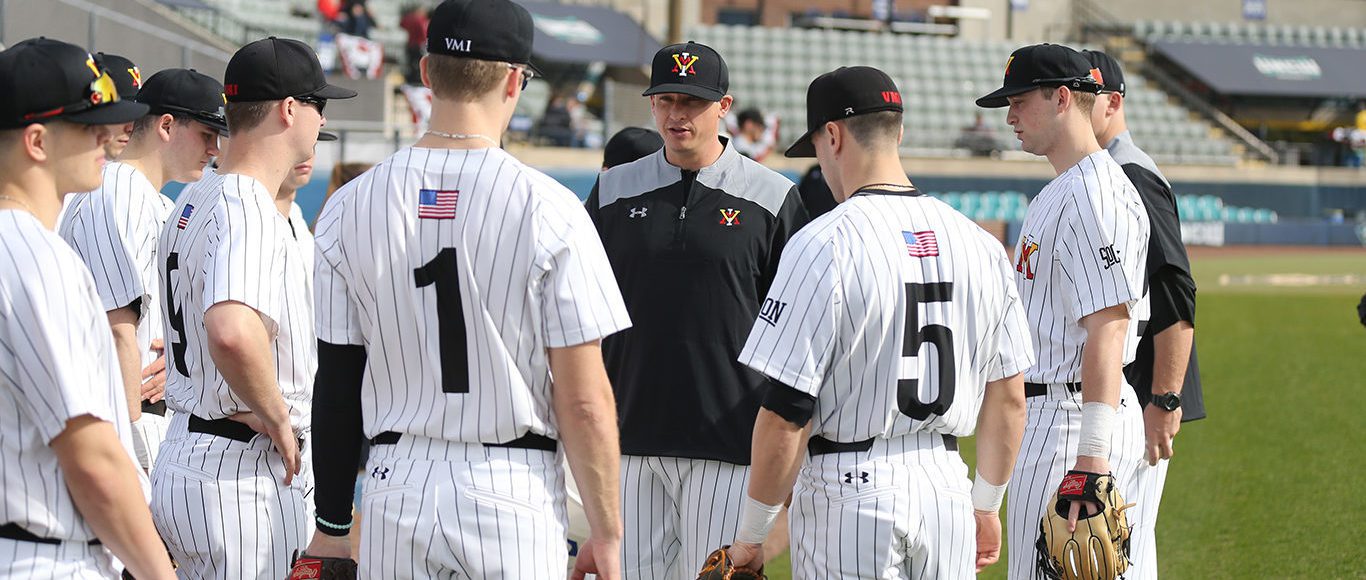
(1249, 251)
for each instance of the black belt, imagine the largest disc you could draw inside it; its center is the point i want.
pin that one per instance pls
(12, 531)
(528, 441)
(820, 446)
(157, 408)
(226, 428)
(1041, 389)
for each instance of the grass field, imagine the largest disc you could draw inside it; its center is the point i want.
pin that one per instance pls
(1267, 486)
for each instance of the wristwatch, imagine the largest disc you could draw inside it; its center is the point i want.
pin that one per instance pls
(1168, 401)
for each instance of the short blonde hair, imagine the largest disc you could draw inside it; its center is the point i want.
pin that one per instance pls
(464, 80)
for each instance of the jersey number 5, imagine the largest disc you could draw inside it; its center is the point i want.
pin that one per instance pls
(450, 319)
(177, 317)
(907, 390)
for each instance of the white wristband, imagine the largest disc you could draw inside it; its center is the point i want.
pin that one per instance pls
(985, 496)
(756, 521)
(1097, 425)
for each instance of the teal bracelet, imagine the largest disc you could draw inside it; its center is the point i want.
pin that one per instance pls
(327, 524)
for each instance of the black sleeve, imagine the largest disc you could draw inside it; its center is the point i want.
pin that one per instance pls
(337, 420)
(1165, 248)
(591, 204)
(792, 405)
(791, 217)
(1172, 293)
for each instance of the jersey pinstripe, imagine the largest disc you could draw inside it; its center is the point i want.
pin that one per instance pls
(850, 292)
(227, 241)
(114, 229)
(56, 363)
(434, 243)
(1083, 247)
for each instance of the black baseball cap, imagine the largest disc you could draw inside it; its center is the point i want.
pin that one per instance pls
(1111, 75)
(187, 92)
(848, 91)
(127, 76)
(1043, 65)
(690, 69)
(44, 79)
(630, 144)
(494, 30)
(326, 136)
(273, 68)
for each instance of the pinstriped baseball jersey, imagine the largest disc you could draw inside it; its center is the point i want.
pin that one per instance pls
(457, 269)
(114, 229)
(56, 363)
(894, 311)
(227, 241)
(1083, 248)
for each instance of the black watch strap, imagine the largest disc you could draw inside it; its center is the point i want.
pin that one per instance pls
(1168, 401)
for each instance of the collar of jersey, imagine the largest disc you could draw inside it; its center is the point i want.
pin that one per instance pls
(879, 190)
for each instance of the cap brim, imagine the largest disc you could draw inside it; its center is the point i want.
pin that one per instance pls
(330, 92)
(325, 136)
(712, 95)
(997, 98)
(115, 113)
(802, 147)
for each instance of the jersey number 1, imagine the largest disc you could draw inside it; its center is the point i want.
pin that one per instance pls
(907, 390)
(450, 319)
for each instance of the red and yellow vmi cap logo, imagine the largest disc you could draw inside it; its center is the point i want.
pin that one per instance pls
(1008, 61)
(136, 73)
(683, 63)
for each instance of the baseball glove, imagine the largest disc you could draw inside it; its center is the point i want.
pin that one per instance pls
(720, 567)
(1099, 549)
(310, 567)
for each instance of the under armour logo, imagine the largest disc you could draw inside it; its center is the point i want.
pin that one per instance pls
(862, 476)
(639, 212)
(380, 472)
(848, 110)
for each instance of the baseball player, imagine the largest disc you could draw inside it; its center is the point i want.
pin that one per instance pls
(453, 282)
(693, 232)
(1165, 372)
(114, 229)
(237, 275)
(71, 489)
(127, 79)
(1079, 266)
(892, 321)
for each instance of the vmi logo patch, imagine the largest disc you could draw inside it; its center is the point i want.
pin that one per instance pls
(1024, 262)
(730, 217)
(683, 64)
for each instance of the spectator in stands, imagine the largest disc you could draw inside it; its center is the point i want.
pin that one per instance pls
(356, 19)
(753, 135)
(557, 123)
(330, 10)
(628, 145)
(978, 138)
(414, 22)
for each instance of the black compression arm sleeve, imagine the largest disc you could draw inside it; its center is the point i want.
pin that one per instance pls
(337, 431)
(792, 405)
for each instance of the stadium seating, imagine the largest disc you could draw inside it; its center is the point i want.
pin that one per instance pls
(1251, 33)
(1011, 206)
(939, 77)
